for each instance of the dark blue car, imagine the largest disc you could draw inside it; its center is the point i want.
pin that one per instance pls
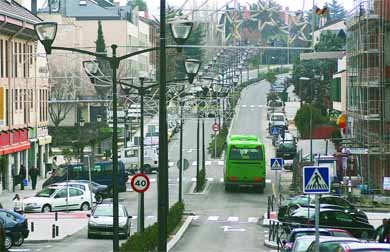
(15, 226)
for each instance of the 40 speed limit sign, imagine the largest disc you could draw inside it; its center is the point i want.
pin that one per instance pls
(140, 183)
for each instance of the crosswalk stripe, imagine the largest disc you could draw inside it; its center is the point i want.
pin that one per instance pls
(208, 162)
(233, 218)
(244, 106)
(221, 179)
(252, 106)
(194, 163)
(220, 162)
(170, 164)
(134, 217)
(193, 179)
(195, 217)
(213, 218)
(268, 181)
(210, 179)
(153, 180)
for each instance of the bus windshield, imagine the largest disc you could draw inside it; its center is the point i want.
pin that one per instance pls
(245, 153)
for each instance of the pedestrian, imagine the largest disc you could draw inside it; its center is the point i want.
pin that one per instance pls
(380, 231)
(14, 177)
(22, 176)
(33, 172)
(18, 204)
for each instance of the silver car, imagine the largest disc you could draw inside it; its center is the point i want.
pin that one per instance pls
(101, 221)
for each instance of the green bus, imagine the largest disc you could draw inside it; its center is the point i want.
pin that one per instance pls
(244, 163)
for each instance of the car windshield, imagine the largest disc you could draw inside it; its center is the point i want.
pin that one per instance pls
(277, 118)
(45, 192)
(286, 147)
(106, 210)
(304, 212)
(276, 104)
(302, 245)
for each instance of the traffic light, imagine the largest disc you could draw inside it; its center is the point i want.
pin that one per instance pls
(322, 12)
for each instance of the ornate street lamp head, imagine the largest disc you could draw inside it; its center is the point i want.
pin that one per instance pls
(192, 67)
(46, 33)
(181, 30)
(126, 88)
(91, 68)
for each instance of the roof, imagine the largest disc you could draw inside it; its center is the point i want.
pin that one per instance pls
(244, 139)
(93, 10)
(330, 23)
(17, 11)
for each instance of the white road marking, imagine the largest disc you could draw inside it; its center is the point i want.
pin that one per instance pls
(253, 219)
(193, 179)
(230, 229)
(210, 179)
(260, 106)
(268, 181)
(195, 217)
(221, 179)
(149, 217)
(233, 218)
(244, 106)
(194, 163)
(153, 180)
(208, 162)
(134, 217)
(189, 151)
(252, 106)
(170, 164)
(213, 218)
(220, 162)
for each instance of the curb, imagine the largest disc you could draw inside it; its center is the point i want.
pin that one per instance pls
(205, 190)
(179, 233)
(270, 244)
(49, 240)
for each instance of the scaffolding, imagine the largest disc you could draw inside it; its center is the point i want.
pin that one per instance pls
(368, 88)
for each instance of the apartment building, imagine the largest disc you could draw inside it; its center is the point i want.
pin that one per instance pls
(78, 28)
(368, 89)
(24, 139)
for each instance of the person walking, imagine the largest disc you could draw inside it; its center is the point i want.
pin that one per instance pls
(22, 176)
(380, 231)
(18, 204)
(33, 172)
(14, 177)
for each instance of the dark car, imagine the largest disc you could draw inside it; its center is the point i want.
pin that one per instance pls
(286, 150)
(298, 232)
(101, 191)
(331, 218)
(15, 226)
(326, 201)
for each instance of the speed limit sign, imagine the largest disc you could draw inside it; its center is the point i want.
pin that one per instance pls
(140, 183)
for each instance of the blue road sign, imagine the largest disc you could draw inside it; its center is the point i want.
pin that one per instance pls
(276, 164)
(274, 130)
(316, 179)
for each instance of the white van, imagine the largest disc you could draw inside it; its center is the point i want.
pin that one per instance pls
(130, 157)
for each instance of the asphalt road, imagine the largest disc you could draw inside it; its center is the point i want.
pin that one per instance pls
(228, 221)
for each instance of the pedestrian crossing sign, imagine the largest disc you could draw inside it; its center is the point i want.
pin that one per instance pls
(276, 164)
(316, 179)
(274, 131)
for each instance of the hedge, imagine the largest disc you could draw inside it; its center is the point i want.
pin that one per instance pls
(220, 139)
(148, 240)
(201, 181)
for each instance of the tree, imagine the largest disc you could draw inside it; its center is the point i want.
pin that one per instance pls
(336, 10)
(302, 119)
(103, 86)
(141, 4)
(100, 43)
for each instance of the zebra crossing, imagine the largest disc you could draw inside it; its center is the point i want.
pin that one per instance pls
(252, 106)
(194, 163)
(193, 179)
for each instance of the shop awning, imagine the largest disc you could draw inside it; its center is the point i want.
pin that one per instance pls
(14, 148)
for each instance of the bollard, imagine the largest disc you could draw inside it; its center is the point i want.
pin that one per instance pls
(57, 230)
(268, 208)
(32, 227)
(56, 216)
(53, 231)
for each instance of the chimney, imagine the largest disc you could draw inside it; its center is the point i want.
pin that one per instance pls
(34, 7)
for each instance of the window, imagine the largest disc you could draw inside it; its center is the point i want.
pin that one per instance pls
(6, 58)
(6, 107)
(2, 55)
(336, 89)
(31, 52)
(82, 187)
(343, 217)
(61, 193)
(16, 99)
(20, 53)
(245, 153)
(15, 59)
(73, 192)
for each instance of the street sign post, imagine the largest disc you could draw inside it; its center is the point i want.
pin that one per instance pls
(277, 165)
(140, 183)
(316, 180)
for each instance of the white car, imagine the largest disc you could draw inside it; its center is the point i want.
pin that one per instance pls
(58, 198)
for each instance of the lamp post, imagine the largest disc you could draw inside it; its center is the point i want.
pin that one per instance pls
(46, 33)
(311, 116)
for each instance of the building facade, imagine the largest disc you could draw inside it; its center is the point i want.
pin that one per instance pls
(368, 89)
(24, 140)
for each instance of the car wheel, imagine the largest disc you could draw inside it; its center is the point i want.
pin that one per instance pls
(84, 206)
(291, 209)
(8, 242)
(46, 209)
(19, 241)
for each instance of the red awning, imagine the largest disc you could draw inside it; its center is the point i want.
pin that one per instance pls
(14, 148)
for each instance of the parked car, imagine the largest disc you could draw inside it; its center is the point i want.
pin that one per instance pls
(362, 247)
(331, 244)
(287, 151)
(298, 232)
(332, 218)
(274, 106)
(287, 137)
(55, 199)
(15, 227)
(99, 192)
(277, 120)
(101, 221)
(326, 201)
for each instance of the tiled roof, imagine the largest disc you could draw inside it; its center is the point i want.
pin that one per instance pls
(15, 10)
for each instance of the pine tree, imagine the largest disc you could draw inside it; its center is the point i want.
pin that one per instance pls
(100, 44)
(336, 10)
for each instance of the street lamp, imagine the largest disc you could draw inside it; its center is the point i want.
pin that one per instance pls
(192, 67)
(46, 33)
